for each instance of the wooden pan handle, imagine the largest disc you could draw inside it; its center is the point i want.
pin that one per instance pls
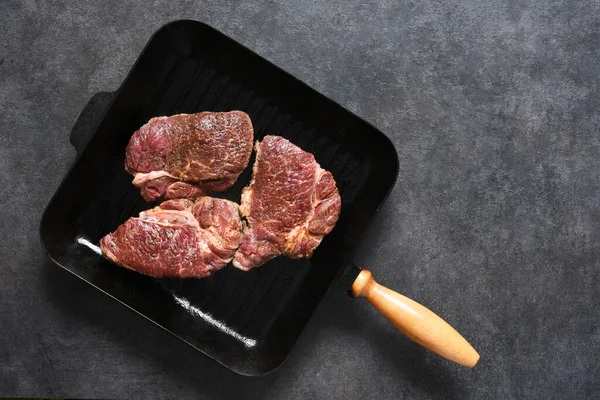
(415, 321)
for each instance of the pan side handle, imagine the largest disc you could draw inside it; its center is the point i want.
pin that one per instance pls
(415, 321)
(88, 120)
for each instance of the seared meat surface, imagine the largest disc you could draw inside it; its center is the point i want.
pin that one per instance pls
(290, 205)
(189, 155)
(179, 238)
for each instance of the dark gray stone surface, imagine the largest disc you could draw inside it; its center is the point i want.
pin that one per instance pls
(495, 110)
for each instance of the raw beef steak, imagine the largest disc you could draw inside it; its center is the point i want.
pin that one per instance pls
(290, 205)
(189, 155)
(179, 238)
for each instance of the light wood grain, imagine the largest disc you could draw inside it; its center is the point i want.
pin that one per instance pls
(415, 321)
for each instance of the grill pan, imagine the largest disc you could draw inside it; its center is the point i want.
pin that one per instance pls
(247, 321)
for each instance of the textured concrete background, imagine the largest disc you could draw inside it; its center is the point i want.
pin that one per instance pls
(495, 111)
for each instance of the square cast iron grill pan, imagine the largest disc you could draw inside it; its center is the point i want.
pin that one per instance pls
(247, 321)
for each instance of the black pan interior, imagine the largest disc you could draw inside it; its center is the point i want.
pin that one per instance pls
(247, 321)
